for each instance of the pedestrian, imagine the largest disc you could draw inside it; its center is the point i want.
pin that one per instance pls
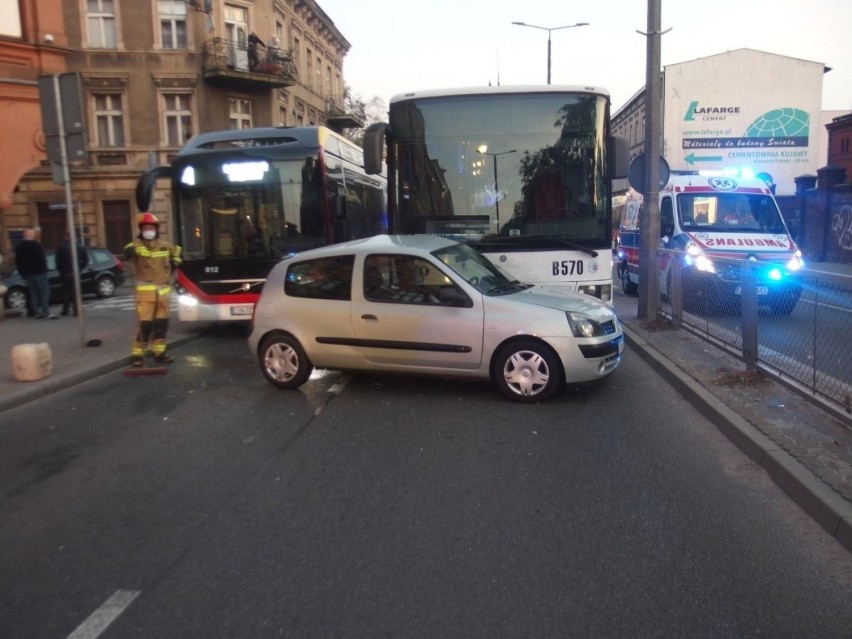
(65, 266)
(253, 54)
(153, 260)
(32, 265)
(273, 51)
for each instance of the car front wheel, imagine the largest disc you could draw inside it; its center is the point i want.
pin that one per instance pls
(105, 287)
(283, 361)
(16, 299)
(527, 371)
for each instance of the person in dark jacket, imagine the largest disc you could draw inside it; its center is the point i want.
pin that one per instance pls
(32, 265)
(65, 266)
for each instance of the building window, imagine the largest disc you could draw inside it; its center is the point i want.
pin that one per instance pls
(173, 24)
(109, 120)
(177, 118)
(309, 76)
(844, 145)
(118, 224)
(100, 15)
(239, 113)
(10, 25)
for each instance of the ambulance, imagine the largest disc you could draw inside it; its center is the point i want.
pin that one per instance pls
(714, 223)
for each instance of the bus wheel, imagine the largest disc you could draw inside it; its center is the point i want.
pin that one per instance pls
(629, 287)
(527, 371)
(283, 361)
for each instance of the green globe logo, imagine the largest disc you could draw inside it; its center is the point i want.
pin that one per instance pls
(785, 122)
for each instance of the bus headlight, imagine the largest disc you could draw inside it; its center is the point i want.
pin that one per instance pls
(187, 300)
(602, 291)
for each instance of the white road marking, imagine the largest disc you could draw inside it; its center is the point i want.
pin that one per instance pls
(105, 615)
(339, 386)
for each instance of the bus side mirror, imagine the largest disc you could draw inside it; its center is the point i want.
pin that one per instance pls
(620, 158)
(145, 186)
(374, 147)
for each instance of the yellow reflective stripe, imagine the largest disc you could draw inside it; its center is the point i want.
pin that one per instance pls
(165, 289)
(146, 287)
(160, 253)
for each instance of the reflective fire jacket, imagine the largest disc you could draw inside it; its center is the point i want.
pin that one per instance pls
(153, 262)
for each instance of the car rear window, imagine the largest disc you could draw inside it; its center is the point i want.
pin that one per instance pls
(327, 278)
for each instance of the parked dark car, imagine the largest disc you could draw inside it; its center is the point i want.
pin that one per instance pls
(103, 274)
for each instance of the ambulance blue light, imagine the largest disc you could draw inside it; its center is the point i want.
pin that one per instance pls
(775, 274)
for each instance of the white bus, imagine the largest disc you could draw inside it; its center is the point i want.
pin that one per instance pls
(522, 173)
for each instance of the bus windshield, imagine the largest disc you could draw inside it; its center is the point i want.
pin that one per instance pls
(510, 167)
(257, 208)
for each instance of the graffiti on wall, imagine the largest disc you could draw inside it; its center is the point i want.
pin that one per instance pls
(841, 224)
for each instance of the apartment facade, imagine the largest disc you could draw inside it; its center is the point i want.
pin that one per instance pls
(32, 39)
(156, 72)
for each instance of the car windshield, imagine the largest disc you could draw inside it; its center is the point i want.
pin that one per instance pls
(476, 270)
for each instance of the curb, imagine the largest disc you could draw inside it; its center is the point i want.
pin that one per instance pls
(824, 505)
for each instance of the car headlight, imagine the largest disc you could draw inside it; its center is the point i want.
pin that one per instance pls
(695, 257)
(796, 262)
(583, 325)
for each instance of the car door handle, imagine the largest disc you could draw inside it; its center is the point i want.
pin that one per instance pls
(369, 316)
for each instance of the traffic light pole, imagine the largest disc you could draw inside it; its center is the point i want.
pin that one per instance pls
(69, 210)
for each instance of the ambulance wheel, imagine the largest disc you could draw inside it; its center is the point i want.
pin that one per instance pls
(629, 287)
(783, 304)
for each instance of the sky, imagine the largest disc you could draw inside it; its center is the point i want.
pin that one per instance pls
(403, 45)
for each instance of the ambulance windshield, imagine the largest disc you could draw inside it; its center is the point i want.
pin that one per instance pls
(730, 212)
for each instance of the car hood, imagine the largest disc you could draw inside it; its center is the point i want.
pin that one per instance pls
(565, 301)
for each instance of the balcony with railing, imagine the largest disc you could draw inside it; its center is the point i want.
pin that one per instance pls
(337, 117)
(234, 63)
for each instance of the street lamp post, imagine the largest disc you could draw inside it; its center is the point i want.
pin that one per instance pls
(496, 185)
(549, 29)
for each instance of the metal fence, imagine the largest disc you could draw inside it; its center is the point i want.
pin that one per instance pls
(796, 327)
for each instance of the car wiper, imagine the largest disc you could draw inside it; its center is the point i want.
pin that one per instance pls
(494, 242)
(509, 287)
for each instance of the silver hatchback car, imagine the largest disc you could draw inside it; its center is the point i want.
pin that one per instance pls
(427, 305)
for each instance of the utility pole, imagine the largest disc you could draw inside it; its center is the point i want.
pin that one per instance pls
(649, 222)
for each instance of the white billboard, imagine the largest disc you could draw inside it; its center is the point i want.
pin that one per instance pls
(745, 111)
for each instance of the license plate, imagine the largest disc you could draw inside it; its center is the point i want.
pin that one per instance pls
(761, 290)
(242, 310)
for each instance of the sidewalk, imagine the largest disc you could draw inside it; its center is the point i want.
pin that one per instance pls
(112, 321)
(805, 449)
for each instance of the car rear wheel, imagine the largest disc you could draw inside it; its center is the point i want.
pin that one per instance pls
(527, 371)
(283, 361)
(16, 299)
(105, 286)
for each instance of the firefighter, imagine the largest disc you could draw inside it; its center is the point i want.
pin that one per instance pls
(153, 259)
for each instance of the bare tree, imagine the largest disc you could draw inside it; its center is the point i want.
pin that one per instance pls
(367, 111)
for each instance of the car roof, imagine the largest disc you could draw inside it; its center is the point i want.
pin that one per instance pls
(383, 243)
